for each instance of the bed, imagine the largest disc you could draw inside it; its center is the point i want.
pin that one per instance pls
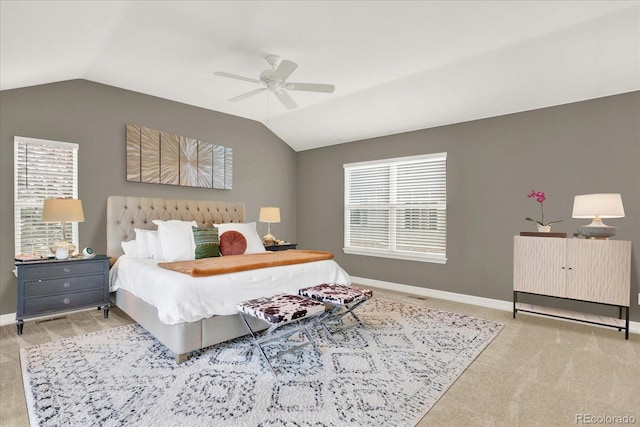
(207, 320)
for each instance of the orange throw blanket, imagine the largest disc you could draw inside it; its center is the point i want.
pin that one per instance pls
(233, 263)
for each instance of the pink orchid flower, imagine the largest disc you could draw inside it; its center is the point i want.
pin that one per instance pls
(540, 198)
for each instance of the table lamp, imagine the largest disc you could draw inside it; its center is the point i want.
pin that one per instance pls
(269, 215)
(63, 211)
(598, 206)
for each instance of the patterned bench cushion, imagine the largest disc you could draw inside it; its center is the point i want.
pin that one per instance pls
(336, 294)
(281, 308)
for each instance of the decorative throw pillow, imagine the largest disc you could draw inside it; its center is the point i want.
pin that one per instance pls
(207, 243)
(176, 240)
(130, 248)
(153, 241)
(232, 243)
(248, 230)
(142, 241)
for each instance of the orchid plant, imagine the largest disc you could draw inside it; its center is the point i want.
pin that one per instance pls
(540, 198)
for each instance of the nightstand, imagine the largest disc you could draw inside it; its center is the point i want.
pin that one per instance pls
(282, 247)
(53, 286)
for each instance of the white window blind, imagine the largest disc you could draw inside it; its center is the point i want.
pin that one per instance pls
(397, 208)
(42, 170)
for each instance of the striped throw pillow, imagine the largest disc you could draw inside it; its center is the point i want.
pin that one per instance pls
(207, 243)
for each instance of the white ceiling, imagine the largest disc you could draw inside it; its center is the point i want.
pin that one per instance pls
(397, 66)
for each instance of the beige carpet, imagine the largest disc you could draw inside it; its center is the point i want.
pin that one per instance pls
(537, 372)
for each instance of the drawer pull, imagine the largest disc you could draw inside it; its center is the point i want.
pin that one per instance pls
(67, 270)
(66, 284)
(66, 300)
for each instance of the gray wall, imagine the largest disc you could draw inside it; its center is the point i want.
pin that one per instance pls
(585, 147)
(94, 116)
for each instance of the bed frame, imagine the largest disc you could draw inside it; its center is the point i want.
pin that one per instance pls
(124, 213)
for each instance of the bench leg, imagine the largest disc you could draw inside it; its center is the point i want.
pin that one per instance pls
(269, 336)
(339, 312)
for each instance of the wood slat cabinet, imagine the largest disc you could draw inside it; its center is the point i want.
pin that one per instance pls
(51, 286)
(597, 271)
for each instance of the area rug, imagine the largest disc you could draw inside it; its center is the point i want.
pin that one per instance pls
(389, 374)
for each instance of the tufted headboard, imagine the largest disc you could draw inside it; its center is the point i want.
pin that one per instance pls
(124, 213)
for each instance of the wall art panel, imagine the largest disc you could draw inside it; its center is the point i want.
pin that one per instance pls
(205, 164)
(228, 168)
(133, 153)
(150, 155)
(188, 162)
(165, 158)
(169, 158)
(218, 166)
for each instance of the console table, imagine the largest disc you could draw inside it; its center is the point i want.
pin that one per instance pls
(594, 271)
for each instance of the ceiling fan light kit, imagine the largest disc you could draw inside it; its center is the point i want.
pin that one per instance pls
(275, 81)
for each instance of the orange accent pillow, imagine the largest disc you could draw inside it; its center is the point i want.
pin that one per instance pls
(232, 243)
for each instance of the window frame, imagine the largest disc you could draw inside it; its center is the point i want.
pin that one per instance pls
(52, 232)
(393, 209)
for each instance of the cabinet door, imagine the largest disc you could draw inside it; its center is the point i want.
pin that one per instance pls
(539, 265)
(600, 270)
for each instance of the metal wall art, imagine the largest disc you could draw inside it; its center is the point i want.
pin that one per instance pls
(164, 158)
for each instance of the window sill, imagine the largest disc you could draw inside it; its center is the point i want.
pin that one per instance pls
(397, 255)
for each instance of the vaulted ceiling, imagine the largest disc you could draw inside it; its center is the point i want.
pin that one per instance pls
(396, 65)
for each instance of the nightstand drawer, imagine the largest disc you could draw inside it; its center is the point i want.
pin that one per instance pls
(65, 269)
(61, 285)
(35, 306)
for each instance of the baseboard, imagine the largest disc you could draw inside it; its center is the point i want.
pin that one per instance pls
(634, 327)
(7, 319)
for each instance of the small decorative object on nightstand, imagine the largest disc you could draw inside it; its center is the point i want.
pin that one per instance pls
(280, 246)
(52, 286)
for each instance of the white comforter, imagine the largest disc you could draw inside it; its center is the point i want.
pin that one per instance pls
(181, 298)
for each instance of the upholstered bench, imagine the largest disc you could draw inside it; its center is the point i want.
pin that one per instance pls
(280, 310)
(344, 300)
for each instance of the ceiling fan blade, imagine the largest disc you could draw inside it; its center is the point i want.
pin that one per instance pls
(286, 99)
(247, 95)
(284, 70)
(235, 76)
(311, 87)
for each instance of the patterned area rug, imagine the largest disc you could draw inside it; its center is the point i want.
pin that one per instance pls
(388, 375)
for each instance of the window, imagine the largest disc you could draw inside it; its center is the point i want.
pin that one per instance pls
(397, 208)
(42, 170)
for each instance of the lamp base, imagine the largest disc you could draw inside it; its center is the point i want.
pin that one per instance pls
(70, 247)
(597, 232)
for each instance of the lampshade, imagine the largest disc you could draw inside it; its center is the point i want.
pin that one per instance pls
(59, 210)
(603, 205)
(270, 214)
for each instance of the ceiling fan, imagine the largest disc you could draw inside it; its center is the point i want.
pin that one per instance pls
(275, 81)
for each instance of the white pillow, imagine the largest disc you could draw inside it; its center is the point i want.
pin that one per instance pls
(154, 245)
(248, 230)
(176, 240)
(130, 248)
(142, 241)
